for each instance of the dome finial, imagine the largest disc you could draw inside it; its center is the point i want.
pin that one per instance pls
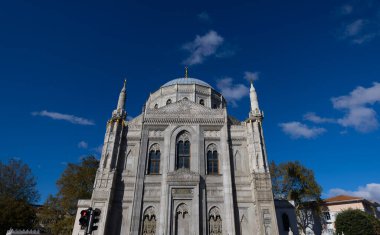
(186, 72)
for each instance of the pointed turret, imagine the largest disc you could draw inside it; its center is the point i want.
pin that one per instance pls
(120, 112)
(255, 110)
(121, 102)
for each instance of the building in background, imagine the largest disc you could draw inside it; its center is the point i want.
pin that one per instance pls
(183, 166)
(334, 205)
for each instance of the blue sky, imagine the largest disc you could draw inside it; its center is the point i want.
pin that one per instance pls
(315, 65)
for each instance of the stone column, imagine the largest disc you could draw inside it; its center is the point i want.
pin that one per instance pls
(229, 213)
(163, 213)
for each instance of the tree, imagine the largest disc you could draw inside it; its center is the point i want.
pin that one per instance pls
(17, 181)
(354, 221)
(76, 182)
(17, 192)
(293, 181)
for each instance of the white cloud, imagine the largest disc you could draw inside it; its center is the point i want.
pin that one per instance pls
(369, 192)
(312, 117)
(354, 28)
(251, 76)
(204, 16)
(66, 117)
(202, 47)
(298, 130)
(82, 145)
(358, 114)
(232, 92)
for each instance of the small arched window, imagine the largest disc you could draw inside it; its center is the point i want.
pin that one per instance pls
(212, 160)
(285, 222)
(156, 106)
(169, 101)
(154, 160)
(201, 102)
(183, 151)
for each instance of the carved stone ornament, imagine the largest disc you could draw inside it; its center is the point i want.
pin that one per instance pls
(215, 222)
(149, 222)
(154, 147)
(184, 136)
(182, 191)
(212, 147)
(182, 210)
(183, 174)
(184, 111)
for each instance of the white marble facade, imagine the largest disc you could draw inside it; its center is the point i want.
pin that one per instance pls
(183, 166)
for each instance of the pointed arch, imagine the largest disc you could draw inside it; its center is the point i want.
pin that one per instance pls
(212, 160)
(182, 219)
(154, 159)
(183, 150)
(149, 221)
(215, 222)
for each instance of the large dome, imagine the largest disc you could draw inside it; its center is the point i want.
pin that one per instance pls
(186, 81)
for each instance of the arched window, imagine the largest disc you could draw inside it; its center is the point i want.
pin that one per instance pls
(149, 222)
(154, 159)
(183, 151)
(169, 101)
(201, 102)
(285, 222)
(156, 106)
(215, 222)
(212, 160)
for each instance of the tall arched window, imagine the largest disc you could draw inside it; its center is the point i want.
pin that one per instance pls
(285, 222)
(212, 160)
(183, 151)
(154, 159)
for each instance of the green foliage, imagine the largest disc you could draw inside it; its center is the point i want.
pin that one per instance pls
(17, 192)
(16, 214)
(354, 221)
(17, 182)
(293, 181)
(76, 182)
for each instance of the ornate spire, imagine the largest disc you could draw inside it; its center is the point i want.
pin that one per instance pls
(122, 96)
(254, 102)
(186, 72)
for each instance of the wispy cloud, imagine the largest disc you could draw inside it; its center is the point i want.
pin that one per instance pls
(202, 47)
(312, 117)
(358, 114)
(204, 17)
(82, 145)
(251, 76)
(359, 22)
(369, 192)
(298, 130)
(233, 92)
(65, 117)
(354, 28)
